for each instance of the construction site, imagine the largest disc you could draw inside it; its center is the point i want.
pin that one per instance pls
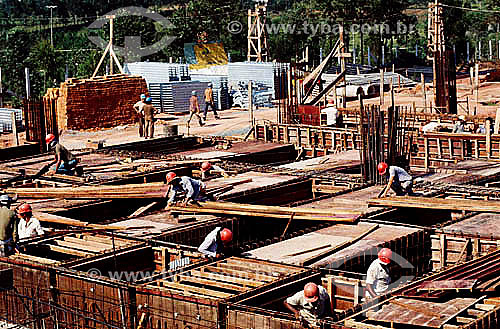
(298, 178)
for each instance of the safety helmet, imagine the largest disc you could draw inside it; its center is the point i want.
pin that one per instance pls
(205, 166)
(149, 99)
(382, 167)
(5, 200)
(49, 138)
(193, 93)
(24, 208)
(170, 177)
(385, 255)
(143, 96)
(311, 292)
(210, 85)
(226, 235)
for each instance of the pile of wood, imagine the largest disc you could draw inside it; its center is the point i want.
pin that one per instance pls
(101, 102)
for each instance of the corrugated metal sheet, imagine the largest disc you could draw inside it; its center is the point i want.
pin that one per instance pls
(174, 96)
(156, 72)
(6, 119)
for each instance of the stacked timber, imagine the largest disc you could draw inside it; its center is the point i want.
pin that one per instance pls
(100, 102)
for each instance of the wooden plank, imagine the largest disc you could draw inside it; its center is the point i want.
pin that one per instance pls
(239, 274)
(187, 288)
(70, 251)
(209, 282)
(226, 278)
(84, 243)
(77, 246)
(437, 203)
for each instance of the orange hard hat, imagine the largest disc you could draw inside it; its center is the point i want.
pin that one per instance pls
(382, 167)
(24, 208)
(49, 138)
(170, 177)
(311, 292)
(226, 235)
(385, 255)
(206, 166)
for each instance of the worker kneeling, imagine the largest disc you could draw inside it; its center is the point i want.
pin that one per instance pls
(65, 162)
(185, 190)
(378, 276)
(28, 226)
(208, 169)
(399, 180)
(310, 305)
(215, 241)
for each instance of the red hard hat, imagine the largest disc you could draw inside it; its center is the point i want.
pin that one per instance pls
(170, 177)
(206, 166)
(24, 208)
(311, 292)
(382, 167)
(385, 255)
(226, 235)
(49, 138)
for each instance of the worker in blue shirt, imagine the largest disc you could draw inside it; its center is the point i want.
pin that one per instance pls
(214, 242)
(192, 188)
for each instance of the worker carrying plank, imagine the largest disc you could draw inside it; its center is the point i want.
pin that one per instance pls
(208, 169)
(399, 180)
(8, 227)
(28, 226)
(209, 102)
(140, 117)
(65, 162)
(185, 190)
(215, 241)
(378, 276)
(309, 305)
(194, 108)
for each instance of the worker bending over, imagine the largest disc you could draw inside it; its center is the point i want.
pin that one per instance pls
(140, 116)
(378, 276)
(8, 227)
(399, 180)
(28, 226)
(149, 118)
(192, 190)
(209, 101)
(208, 169)
(65, 162)
(310, 305)
(194, 108)
(215, 241)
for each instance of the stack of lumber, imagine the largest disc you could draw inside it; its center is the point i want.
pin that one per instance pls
(437, 203)
(228, 208)
(100, 102)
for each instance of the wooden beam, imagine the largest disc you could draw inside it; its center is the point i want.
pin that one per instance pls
(226, 278)
(187, 288)
(437, 203)
(209, 282)
(70, 251)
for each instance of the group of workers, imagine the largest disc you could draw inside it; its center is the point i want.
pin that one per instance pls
(459, 127)
(15, 225)
(146, 111)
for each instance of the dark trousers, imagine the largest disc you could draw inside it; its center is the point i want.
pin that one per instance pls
(67, 167)
(206, 110)
(141, 126)
(402, 188)
(149, 128)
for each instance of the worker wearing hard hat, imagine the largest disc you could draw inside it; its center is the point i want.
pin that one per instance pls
(215, 241)
(459, 126)
(209, 102)
(8, 227)
(192, 189)
(28, 226)
(138, 108)
(399, 180)
(65, 162)
(208, 169)
(378, 277)
(194, 108)
(149, 118)
(309, 305)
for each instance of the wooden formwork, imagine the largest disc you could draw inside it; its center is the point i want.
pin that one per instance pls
(450, 249)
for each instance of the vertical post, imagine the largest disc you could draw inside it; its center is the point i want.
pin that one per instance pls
(381, 87)
(424, 96)
(250, 103)
(342, 66)
(477, 87)
(383, 54)
(14, 128)
(28, 85)
(369, 57)
(491, 50)
(498, 49)
(479, 51)
(1, 89)
(468, 52)
(487, 125)
(111, 45)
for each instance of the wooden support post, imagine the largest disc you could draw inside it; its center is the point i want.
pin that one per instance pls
(426, 151)
(497, 122)
(477, 89)
(381, 86)
(14, 129)
(424, 97)
(442, 254)
(250, 102)
(487, 125)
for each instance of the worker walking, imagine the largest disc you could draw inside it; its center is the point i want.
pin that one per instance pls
(310, 305)
(149, 118)
(399, 180)
(378, 276)
(209, 102)
(65, 162)
(28, 226)
(215, 241)
(194, 108)
(140, 116)
(8, 227)
(208, 169)
(185, 189)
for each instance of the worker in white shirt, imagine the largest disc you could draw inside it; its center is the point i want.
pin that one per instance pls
(378, 276)
(214, 242)
(208, 169)
(28, 226)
